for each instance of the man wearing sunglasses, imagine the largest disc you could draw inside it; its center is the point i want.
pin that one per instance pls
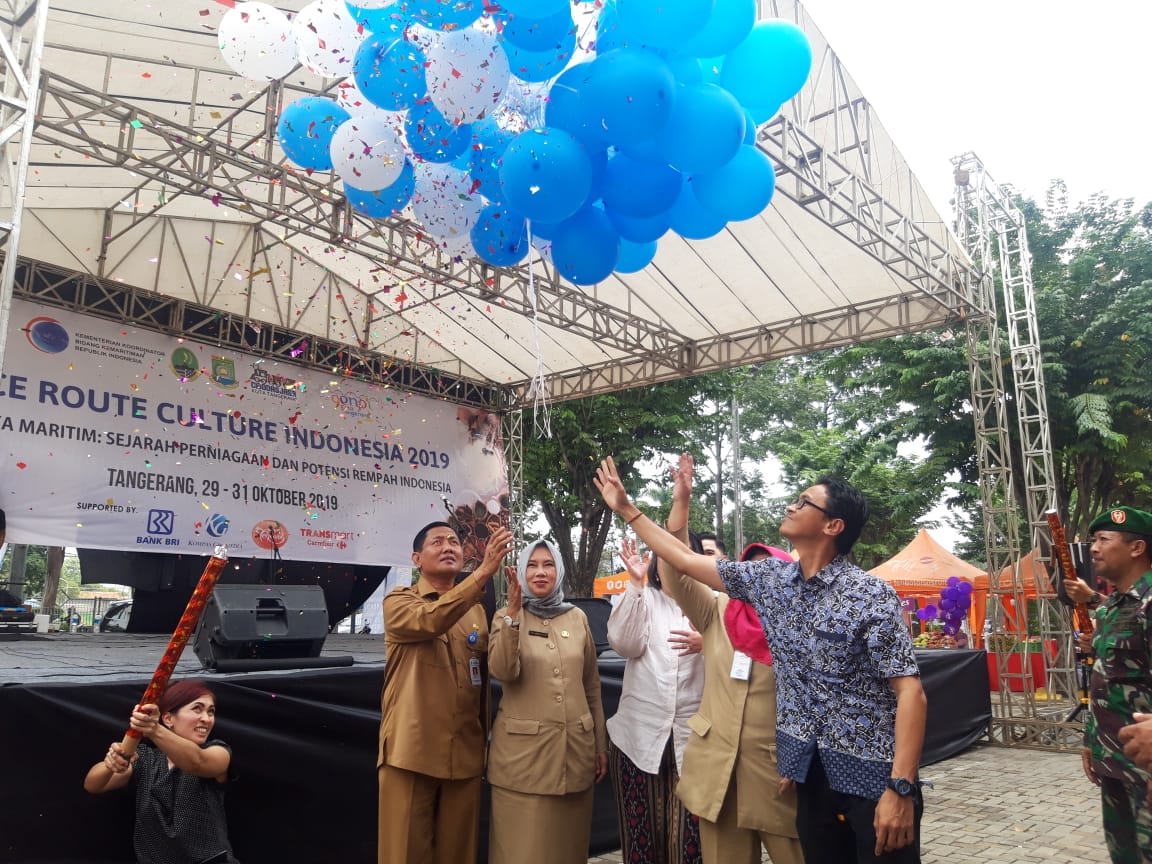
(850, 707)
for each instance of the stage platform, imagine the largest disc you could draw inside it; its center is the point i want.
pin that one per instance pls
(304, 745)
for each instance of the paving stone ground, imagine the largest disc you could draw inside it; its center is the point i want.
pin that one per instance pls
(1002, 805)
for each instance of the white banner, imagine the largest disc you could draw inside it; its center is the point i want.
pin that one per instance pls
(114, 437)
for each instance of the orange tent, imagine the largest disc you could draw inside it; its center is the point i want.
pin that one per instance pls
(923, 567)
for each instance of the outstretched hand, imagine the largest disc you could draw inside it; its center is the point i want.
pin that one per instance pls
(499, 546)
(635, 563)
(515, 592)
(682, 478)
(610, 486)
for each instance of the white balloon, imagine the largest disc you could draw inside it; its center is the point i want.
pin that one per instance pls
(367, 153)
(375, 4)
(467, 74)
(349, 97)
(443, 201)
(327, 36)
(256, 41)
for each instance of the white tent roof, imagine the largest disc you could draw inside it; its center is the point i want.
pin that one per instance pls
(155, 189)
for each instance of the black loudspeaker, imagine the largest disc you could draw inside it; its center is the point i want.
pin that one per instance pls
(257, 626)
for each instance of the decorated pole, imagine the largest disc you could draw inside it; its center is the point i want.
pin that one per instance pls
(179, 639)
(1080, 614)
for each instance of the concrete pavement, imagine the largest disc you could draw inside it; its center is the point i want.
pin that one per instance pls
(1003, 805)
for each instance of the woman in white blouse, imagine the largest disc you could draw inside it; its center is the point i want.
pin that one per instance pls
(663, 683)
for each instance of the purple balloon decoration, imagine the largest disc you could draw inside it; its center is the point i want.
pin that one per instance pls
(953, 581)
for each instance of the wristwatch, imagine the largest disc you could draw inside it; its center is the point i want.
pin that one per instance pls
(902, 787)
(509, 621)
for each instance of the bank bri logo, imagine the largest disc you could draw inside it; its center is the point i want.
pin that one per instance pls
(161, 522)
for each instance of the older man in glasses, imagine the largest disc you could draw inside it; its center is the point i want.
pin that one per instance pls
(850, 707)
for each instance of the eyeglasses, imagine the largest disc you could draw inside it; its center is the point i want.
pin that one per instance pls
(802, 502)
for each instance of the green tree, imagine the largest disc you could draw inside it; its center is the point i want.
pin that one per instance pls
(633, 426)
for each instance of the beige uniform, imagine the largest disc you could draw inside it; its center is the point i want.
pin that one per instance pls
(729, 776)
(550, 726)
(433, 724)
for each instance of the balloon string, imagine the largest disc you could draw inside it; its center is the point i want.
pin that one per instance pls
(537, 390)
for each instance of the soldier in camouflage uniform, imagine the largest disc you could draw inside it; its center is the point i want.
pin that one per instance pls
(1121, 679)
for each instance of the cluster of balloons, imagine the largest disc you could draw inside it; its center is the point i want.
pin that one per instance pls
(952, 609)
(489, 121)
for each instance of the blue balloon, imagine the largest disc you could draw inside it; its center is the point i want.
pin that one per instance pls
(390, 72)
(665, 23)
(564, 109)
(383, 23)
(685, 68)
(535, 33)
(640, 229)
(690, 219)
(305, 131)
(533, 8)
(536, 66)
(770, 66)
(750, 127)
(635, 187)
(444, 14)
(740, 189)
(499, 236)
(634, 257)
(586, 248)
(628, 95)
(545, 174)
(489, 141)
(728, 25)
(384, 202)
(706, 129)
(431, 136)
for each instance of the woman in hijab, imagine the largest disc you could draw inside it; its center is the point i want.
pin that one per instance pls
(180, 773)
(549, 743)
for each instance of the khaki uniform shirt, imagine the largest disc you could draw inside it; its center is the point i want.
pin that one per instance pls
(551, 722)
(734, 733)
(433, 714)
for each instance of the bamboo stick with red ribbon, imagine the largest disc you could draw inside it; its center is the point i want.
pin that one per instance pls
(1081, 617)
(180, 636)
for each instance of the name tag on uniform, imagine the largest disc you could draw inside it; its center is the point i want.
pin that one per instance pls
(474, 670)
(741, 666)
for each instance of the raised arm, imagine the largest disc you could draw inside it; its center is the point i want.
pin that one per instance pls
(186, 755)
(504, 643)
(629, 622)
(702, 568)
(695, 599)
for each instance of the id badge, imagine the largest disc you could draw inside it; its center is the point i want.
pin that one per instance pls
(741, 666)
(474, 670)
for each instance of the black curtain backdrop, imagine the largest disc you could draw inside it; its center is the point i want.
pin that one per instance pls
(304, 755)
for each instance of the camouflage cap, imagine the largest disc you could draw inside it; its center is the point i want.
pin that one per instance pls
(1123, 519)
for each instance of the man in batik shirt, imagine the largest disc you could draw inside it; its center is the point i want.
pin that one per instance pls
(1121, 679)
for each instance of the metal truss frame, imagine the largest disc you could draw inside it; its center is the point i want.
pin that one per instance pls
(193, 164)
(22, 27)
(56, 286)
(994, 232)
(841, 186)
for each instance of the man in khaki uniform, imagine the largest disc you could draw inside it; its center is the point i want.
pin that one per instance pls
(433, 725)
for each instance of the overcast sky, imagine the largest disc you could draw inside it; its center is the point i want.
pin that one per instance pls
(1039, 89)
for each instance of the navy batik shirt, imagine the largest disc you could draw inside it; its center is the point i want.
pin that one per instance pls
(836, 639)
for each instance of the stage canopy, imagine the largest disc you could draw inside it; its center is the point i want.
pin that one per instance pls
(157, 195)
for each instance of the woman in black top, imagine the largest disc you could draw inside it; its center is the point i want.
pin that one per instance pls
(180, 776)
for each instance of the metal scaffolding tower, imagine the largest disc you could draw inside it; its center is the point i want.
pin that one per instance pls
(993, 231)
(22, 27)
